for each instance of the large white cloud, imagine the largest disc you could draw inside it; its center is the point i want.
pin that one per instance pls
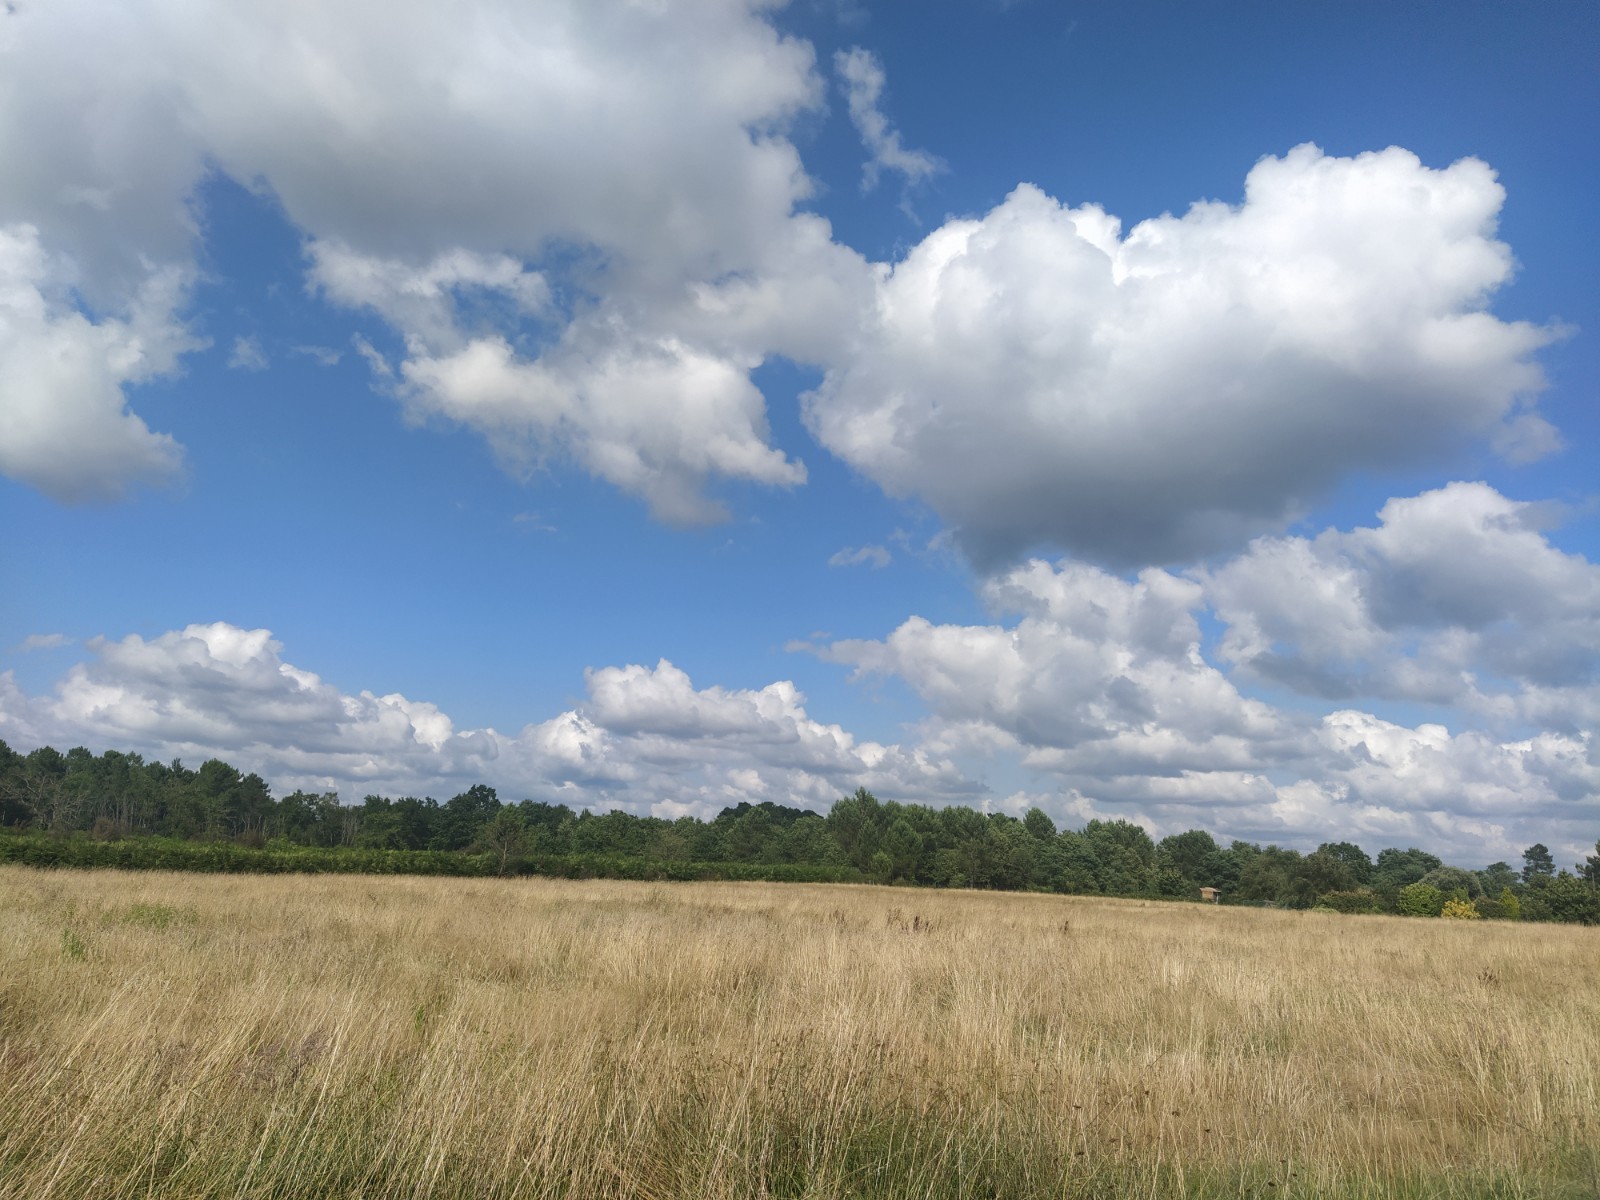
(1456, 597)
(1039, 376)
(583, 223)
(1100, 685)
(551, 203)
(1096, 670)
(64, 425)
(646, 739)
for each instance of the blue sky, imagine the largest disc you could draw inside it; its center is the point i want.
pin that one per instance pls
(1175, 412)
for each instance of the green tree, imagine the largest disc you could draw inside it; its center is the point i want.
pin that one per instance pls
(1496, 876)
(1395, 869)
(880, 868)
(1078, 869)
(1194, 855)
(1571, 900)
(1454, 879)
(1420, 900)
(808, 841)
(1353, 857)
(667, 844)
(1275, 876)
(854, 822)
(903, 845)
(1510, 906)
(1538, 865)
(751, 836)
(1589, 868)
(1038, 823)
(1015, 853)
(463, 815)
(504, 838)
(1326, 871)
(1125, 857)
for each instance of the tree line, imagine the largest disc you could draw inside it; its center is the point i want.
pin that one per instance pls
(89, 806)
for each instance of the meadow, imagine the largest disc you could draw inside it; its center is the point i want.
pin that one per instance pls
(176, 1035)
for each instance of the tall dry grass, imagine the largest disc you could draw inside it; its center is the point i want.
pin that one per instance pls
(187, 1036)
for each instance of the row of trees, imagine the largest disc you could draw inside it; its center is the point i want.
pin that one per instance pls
(113, 795)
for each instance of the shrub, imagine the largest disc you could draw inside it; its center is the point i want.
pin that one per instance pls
(1420, 900)
(1510, 906)
(1460, 910)
(1358, 900)
(1572, 901)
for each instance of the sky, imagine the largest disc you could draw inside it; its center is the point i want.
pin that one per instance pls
(1182, 413)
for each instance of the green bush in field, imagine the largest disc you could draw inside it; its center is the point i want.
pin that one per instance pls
(1571, 900)
(1358, 900)
(1420, 900)
(1510, 906)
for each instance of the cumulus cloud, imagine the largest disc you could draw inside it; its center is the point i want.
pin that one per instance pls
(441, 166)
(64, 425)
(646, 738)
(1039, 376)
(862, 77)
(1096, 690)
(1098, 674)
(1099, 684)
(583, 224)
(874, 556)
(1456, 597)
(656, 419)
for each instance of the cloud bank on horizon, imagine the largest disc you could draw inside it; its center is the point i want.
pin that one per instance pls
(585, 230)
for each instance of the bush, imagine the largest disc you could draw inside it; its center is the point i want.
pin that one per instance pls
(1359, 900)
(1572, 901)
(1460, 910)
(1510, 906)
(1420, 900)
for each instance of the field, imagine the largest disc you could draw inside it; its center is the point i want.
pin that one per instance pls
(169, 1035)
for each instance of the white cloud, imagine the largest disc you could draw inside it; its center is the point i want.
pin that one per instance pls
(1037, 376)
(44, 641)
(323, 356)
(645, 739)
(1098, 675)
(582, 223)
(1100, 686)
(654, 419)
(64, 426)
(854, 556)
(863, 80)
(421, 300)
(1097, 691)
(247, 355)
(1456, 597)
(376, 362)
(441, 165)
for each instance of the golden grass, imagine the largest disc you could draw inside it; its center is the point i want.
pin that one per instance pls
(188, 1035)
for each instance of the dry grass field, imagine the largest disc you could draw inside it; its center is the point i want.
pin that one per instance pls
(203, 1036)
